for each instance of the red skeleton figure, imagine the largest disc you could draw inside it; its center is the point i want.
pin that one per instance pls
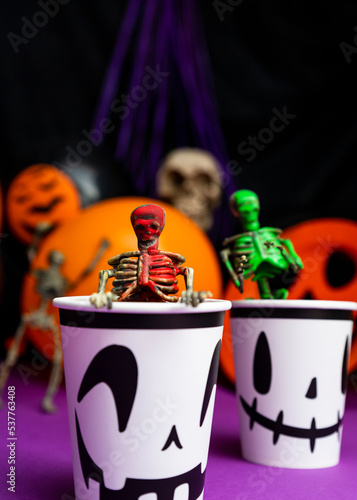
(147, 274)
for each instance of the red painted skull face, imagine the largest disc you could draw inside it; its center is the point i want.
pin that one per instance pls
(148, 222)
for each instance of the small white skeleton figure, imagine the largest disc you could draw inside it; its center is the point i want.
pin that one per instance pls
(147, 274)
(40, 231)
(50, 284)
(190, 180)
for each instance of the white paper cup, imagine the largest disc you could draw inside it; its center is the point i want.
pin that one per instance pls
(140, 384)
(290, 359)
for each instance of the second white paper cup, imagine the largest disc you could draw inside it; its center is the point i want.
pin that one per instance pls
(290, 362)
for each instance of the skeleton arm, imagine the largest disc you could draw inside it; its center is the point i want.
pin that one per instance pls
(188, 275)
(237, 278)
(230, 239)
(102, 298)
(189, 296)
(104, 275)
(290, 255)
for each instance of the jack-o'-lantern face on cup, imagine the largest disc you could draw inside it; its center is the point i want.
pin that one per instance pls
(140, 383)
(40, 193)
(291, 375)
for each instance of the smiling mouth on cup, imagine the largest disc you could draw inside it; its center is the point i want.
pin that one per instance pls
(134, 488)
(279, 428)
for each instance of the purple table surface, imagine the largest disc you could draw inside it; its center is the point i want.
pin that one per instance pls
(43, 468)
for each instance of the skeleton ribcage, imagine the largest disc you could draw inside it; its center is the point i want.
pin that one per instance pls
(262, 249)
(158, 270)
(243, 246)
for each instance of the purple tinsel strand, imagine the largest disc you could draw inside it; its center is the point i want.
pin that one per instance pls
(179, 46)
(160, 116)
(120, 51)
(204, 92)
(126, 130)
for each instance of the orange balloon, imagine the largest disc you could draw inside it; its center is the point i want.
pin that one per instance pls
(232, 293)
(315, 241)
(80, 239)
(40, 193)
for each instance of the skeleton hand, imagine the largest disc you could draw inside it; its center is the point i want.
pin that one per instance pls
(102, 299)
(237, 269)
(194, 298)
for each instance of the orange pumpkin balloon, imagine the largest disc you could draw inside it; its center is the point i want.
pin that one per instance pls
(40, 193)
(316, 242)
(79, 241)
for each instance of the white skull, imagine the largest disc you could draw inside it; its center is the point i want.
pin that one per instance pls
(190, 180)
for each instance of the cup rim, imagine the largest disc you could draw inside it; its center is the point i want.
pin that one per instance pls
(81, 302)
(294, 303)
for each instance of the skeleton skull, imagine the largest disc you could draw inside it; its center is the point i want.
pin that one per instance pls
(148, 226)
(190, 180)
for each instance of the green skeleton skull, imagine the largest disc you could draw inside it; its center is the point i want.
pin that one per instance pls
(258, 252)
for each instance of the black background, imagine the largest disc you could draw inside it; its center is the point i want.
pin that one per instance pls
(265, 56)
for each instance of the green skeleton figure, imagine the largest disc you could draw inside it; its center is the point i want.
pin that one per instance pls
(258, 252)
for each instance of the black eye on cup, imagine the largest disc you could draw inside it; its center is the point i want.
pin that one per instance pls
(344, 374)
(262, 369)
